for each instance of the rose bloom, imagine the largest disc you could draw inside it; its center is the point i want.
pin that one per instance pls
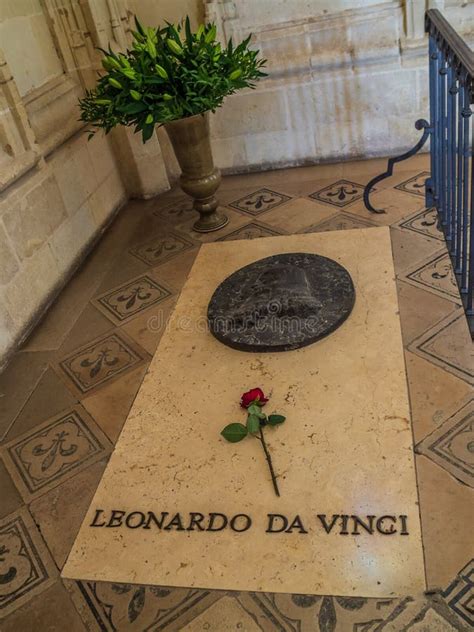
(254, 396)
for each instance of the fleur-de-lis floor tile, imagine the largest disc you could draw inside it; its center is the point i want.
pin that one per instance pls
(124, 302)
(448, 344)
(54, 451)
(129, 607)
(340, 193)
(251, 231)
(99, 362)
(161, 248)
(341, 221)
(436, 275)
(459, 595)
(415, 185)
(259, 201)
(176, 211)
(26, 567)
(452, 444)
(424, 222)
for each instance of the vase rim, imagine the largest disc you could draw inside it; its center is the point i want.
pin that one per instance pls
(188, 118)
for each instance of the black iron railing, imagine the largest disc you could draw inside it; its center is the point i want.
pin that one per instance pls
(449, 188)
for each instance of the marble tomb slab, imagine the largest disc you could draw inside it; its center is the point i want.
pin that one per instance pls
(345, 450)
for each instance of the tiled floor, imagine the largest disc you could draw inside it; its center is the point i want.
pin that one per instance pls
(66, 394)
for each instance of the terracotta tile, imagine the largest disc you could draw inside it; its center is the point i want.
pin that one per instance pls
(129, 268)
(434, 274)
(27, 567)
(91, 366)
(448, 344)
(41, 405)
(60, 512)
(259, 201)
(10, 497)
(227, 613)
(309, 613)
(414, 185)
(450, 445)
(17, 382)
(148, 328)
(447, 516)
(419, 162)
(459, 594)
(290, 176)
(304, 188)
(90, 324)
(63, 314)
(175, 272)
(424, 222)
(398, 177)
(396, 204)
(54, 451)
(52, 610)
(434, 394)
(429, 620)
(419, 310)
(253, 230)
(339, 194)
(410, 248)
(127, 301)
(160, 248)
(298, 214)
(133, 608)
(235, 218)
(340, 221)
(369, 168)
(110, 406)
(176, 211)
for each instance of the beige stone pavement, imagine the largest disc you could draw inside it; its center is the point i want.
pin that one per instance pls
(66, 394)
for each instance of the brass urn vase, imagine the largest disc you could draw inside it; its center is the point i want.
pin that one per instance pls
(199, 178)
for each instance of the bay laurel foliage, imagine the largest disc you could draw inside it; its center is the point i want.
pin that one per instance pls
(170, 73)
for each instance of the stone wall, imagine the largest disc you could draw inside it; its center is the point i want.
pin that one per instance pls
(58, 192)
(348, 79)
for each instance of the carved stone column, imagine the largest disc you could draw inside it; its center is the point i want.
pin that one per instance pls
(18, 149)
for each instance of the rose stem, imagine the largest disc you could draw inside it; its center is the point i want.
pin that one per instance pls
(269, 461)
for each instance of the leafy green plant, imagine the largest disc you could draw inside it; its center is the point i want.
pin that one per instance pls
(167, 75)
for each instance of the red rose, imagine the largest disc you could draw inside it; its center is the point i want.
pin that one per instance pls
(254, 396)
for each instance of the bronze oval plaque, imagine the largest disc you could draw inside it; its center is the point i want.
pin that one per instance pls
(280, 303)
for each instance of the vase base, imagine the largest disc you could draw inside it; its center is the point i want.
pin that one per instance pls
(209, 223)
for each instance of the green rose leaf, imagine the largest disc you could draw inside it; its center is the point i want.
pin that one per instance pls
(234, 432)
(254, 409)
(253, 423)
(274, 420)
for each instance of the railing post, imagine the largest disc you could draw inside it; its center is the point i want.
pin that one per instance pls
(432, 195)
(460, 178)
(466, 114)
(452, 156)
(470, 288)
(442, 139)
